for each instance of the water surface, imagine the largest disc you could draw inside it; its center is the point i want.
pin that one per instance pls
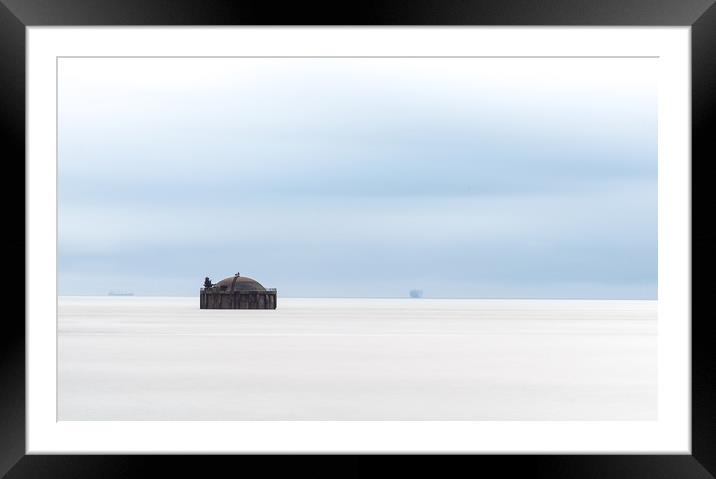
(140, 358)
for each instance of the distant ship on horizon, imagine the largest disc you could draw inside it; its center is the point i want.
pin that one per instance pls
(120, 293)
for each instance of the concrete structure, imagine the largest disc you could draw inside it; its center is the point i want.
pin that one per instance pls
(236, 292)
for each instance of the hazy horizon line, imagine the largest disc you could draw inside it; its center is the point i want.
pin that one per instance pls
(377, 297)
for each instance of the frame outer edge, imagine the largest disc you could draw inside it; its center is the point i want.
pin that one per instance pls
(12, 337)
(370, 12)
(703, 118)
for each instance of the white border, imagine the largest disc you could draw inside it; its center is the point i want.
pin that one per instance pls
(669, 434)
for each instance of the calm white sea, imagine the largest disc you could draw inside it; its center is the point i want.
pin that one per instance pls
(140, 358)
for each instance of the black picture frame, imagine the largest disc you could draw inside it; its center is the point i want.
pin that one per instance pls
(16, 15)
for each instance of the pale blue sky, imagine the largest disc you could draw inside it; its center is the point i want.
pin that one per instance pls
(487, 178)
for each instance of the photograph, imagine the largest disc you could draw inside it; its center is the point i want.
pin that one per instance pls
(357, 238)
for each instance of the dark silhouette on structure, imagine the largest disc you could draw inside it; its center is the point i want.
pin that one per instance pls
(236, 292)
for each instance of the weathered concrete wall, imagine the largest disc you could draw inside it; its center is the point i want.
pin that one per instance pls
(237, 299)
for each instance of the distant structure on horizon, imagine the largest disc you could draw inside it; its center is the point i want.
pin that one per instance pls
(120, 293)
(236, 292)
(416, 293)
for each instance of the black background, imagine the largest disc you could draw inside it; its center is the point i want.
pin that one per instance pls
(15, 15)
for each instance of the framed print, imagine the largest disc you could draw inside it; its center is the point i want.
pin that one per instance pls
(436, 229)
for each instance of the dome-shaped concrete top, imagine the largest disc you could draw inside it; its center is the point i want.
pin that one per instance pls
(240, 283)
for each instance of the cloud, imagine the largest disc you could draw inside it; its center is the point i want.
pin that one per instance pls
(534, 177)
